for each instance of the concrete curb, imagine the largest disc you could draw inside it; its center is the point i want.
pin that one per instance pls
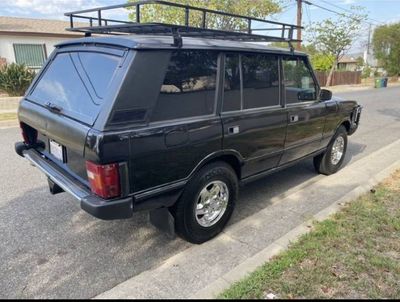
(281, 244)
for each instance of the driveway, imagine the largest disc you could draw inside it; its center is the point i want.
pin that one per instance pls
(52, 249)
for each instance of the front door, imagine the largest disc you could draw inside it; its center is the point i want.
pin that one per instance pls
(306, 115)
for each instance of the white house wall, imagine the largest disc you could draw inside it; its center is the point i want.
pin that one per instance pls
(7, 49)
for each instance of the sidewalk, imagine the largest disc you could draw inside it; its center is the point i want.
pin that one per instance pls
(204, 271)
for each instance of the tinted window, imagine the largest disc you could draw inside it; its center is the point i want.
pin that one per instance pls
(260, 81)
(299, 83)
(232, 94)
(189, 86)
(99, 69)
(62, 84)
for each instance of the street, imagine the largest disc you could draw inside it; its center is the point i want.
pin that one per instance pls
(52, 249)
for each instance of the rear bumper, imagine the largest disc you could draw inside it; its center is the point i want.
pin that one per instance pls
(94, 205)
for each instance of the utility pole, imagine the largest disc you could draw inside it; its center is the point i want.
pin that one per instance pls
(299, 22)
(369, 38)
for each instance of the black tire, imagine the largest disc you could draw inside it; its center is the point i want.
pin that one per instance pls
(323, 163)
(186, 223)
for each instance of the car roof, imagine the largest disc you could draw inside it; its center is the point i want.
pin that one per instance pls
(165, 42)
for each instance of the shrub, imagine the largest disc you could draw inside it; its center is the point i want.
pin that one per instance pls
(15, 79)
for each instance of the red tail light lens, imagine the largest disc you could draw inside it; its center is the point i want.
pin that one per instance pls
(104, 179)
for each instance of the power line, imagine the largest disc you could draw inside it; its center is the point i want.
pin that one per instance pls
(332, 11)
(347, 10)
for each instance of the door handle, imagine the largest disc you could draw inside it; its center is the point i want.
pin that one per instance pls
(233, 130)
(294, 118)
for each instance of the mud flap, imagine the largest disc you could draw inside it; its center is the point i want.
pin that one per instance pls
(54, 188)
(163, 220)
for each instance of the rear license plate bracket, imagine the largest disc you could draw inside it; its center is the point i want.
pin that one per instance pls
(57, 150)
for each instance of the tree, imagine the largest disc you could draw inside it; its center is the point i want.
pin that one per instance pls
(386, 45)
(171, 15)
(334, 37)
(322, 62)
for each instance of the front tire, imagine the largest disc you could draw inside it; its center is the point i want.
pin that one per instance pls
(332, 159)
(207, 203)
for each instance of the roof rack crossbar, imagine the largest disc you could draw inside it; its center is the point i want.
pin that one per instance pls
(100, 25)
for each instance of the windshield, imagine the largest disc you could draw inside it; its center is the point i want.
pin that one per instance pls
(76, 83)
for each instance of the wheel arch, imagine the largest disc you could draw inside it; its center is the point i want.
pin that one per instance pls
(231, 157)
(347, 124)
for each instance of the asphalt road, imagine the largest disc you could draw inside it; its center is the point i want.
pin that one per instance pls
(49, 248)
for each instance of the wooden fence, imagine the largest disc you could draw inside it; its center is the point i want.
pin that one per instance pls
(339, 77)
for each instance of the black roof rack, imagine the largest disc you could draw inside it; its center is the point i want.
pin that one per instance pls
(98, 24)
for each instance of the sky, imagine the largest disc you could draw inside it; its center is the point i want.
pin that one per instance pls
(379, 11)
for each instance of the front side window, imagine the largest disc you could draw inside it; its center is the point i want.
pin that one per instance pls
(260, 81)
(298, 81)
(189, 86)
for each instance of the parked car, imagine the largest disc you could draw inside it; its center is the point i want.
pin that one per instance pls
(133, 123)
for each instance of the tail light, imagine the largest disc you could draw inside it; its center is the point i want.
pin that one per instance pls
(104, 179)
(29, 134)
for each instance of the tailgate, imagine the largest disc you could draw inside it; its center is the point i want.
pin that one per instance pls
(68, 133)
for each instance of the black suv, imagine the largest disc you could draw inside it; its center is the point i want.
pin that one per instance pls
(133, 123)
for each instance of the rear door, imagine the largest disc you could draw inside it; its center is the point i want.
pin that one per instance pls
(306, 115)
(64, 102)
(253, 118)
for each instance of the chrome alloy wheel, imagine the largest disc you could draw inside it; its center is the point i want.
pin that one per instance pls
(337, 150)
(212, 203)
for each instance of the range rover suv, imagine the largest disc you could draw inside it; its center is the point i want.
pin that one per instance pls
(133, 123)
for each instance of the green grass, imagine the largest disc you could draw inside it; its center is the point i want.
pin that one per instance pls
(355, 254)
(8, 116)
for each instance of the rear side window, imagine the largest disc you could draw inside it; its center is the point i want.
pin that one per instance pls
(260, 81)
(76, 82)
(232, 92)
(299, 82)
(189, 86)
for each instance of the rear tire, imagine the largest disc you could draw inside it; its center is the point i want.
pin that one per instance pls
(332, 159)
(212, 191)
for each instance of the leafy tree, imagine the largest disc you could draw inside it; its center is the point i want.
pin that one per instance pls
(322, 62)
(360, 62)
(386, 45)
(334, 37)
(366, 73)
(319, 60)
(171, 15)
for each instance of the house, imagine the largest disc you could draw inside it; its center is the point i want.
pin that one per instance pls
(31, 41)
(348, 63)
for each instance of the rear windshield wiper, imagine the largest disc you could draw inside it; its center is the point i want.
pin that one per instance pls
(53, 108)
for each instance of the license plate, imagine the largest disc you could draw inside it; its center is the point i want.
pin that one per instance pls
(57, 150)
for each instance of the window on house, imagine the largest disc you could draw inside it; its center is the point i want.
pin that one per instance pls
(32, 55)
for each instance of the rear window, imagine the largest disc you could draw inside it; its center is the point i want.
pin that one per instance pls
(77, 83)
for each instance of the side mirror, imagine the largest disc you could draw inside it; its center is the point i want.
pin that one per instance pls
(325, 95)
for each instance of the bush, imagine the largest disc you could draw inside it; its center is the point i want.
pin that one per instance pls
(15, 79)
